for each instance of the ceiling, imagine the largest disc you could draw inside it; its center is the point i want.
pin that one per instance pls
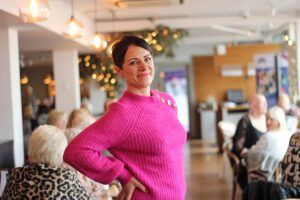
(199, 16)
(208, 22)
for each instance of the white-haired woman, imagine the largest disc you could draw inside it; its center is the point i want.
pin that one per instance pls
(265, 155)
(44, 178)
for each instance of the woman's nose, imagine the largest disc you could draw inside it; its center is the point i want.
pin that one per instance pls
(143, 65)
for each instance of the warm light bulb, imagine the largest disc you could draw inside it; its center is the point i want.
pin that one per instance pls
(99, 41)
(113, 81)
(73, 28)
(24, 80)
(94, 76)
(290, 42)
(34, 8)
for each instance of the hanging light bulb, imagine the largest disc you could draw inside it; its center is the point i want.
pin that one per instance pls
(113, 36)
(73, 28)
(99, 41)
(34, 10)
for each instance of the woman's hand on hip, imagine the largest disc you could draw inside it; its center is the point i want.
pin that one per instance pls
(128, 189)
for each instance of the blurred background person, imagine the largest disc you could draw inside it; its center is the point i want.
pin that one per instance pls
(57, 118)
(249, 129)
(108, 102)
(291, 116)
(251, 126)
(80, 118)
(291, 162)
(44, 177)
(42, 111)
(264, 157)
(86, 104)
(29, 109)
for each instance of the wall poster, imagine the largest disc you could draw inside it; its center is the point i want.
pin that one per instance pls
(266, 76)
(175, 82)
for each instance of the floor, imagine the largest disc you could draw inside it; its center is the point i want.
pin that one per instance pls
(205, 179)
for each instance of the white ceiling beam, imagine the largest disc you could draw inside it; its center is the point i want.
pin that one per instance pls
(218, 39)
(191, 22)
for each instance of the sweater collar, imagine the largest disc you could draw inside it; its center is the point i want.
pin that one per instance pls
(133, 96)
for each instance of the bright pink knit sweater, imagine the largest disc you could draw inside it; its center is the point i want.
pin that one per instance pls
(145, 137)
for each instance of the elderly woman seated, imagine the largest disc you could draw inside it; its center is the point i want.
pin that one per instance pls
(263, 158)
(57, 118)
(80, 119)
(291, 162)
(43, 178)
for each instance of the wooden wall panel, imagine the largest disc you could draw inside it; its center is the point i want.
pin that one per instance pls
(207, 71)
(203, 77)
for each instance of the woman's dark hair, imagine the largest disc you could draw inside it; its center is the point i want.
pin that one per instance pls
(119, 49)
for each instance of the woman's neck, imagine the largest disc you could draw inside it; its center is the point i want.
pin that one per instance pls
(141, 92)
(259, 122)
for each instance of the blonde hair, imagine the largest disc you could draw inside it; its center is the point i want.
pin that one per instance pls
(80, 118)
(71, 133)
(277, 113)
(57, 118)
(47, 145)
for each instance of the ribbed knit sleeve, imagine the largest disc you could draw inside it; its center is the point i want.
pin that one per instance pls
(84, 152)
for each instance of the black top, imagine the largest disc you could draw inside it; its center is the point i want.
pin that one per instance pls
(245, 135)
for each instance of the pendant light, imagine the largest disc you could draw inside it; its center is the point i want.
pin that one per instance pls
(113, 36)
(34, 10)
(99, 41)
(73, 28)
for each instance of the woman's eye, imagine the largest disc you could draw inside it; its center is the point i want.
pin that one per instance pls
(134, 62)
(147, 59)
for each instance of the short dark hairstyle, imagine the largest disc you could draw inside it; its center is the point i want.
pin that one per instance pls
(120, 48)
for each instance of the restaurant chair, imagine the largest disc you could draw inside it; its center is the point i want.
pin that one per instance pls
(227, 130)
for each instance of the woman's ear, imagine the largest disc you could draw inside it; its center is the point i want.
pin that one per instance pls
(119, 70)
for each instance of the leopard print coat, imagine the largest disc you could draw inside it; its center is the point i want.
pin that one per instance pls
(291, 162)
(42, 181)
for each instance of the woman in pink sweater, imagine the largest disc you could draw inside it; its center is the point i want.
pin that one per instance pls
(141, 130)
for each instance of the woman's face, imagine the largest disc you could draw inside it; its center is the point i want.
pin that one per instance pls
(260, 106)
(272, 124)
(138, 68)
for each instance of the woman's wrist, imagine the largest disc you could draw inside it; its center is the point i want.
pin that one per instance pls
(125, 176)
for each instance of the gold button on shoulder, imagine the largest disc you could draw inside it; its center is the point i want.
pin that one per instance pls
(163, 100)
(169, 102)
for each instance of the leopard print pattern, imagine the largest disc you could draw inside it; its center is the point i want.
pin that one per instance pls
(291, 162)
(37, 182)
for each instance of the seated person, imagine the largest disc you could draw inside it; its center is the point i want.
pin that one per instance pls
(57, 118)
(108, 102)
(249, 129)
(80, 119)
(265, 155)
(291, 162)
(291, 116)
(44, 178)
(251, 126)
